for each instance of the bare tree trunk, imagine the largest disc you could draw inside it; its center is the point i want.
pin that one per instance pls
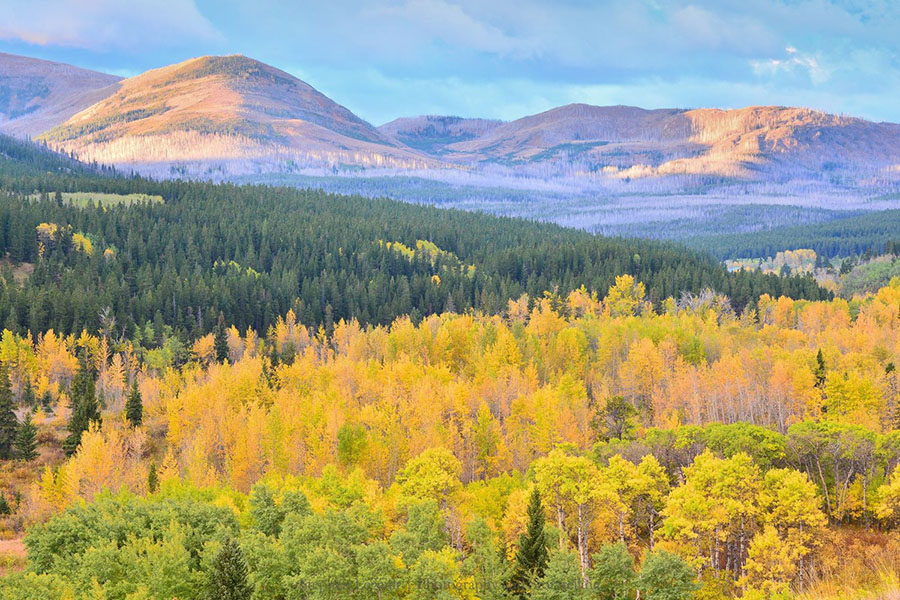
(583, 523)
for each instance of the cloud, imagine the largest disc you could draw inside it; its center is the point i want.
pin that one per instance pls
(792, 63)
(451, 23)
(104, 24)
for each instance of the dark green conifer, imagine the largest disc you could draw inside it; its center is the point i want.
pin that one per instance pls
(8, 422)
(28, 398)
(134, 406)
(85, 409)
(152, 479)
(221, 339)
(228, 576)
(26, 439)
(532, 554)
(821, 371)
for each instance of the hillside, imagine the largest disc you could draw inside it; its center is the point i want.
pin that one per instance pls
(231, 115)
(432, 134)
(623, 141)
(225, 112)
(36, 95)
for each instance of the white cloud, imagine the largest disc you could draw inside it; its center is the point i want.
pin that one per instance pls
(104, 24)
(453, 24)
(792, 62)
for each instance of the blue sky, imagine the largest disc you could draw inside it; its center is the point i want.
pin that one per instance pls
(501, 58)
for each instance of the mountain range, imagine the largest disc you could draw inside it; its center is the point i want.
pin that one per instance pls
(237, 115)
(613, 169)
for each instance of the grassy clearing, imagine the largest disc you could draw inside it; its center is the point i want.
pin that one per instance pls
(83, 198)
(12, 556)
(857, 564)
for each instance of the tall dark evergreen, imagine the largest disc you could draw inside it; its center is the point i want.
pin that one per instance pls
(821, 371)
(221, 339)
(228, 575)
(134, 406)
(532, 555)
(152, 479)
(28, 398)
(8, 421)
(47, 402)
(85, 410)
(26, 439)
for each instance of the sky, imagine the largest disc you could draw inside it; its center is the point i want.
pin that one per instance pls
(503, 59)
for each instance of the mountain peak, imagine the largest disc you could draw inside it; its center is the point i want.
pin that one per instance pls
(224, 108)
(232, 66)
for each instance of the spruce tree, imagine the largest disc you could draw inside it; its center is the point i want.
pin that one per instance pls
(26, 440)
(221, 339)
(821, 372)
(152, 479)
(134, 406)
(8, 421)
(821, 375)
(47, 402)
(532, 555)
(85, 410)
(228, 576)
(28, 398)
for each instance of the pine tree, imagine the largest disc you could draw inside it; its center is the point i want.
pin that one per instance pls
(26, 440)
(8, 421)
(84, 406)
(821, 375)
(821, 372)
(152, 479)
(134, 407)
(28, 398)
(4, 505)
(228, 576)
(221, 339)
(532, 555)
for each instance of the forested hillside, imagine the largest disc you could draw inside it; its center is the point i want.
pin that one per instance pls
(251, 253)
(845, 236)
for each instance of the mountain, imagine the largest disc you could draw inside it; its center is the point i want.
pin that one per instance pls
(228, 114)
(36, 95)
(432, 133)
(220, 116)
(629, 142)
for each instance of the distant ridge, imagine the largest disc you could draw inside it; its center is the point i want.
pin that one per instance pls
(218, 116)
(36, 95)
(432, 134)
(625, 141)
